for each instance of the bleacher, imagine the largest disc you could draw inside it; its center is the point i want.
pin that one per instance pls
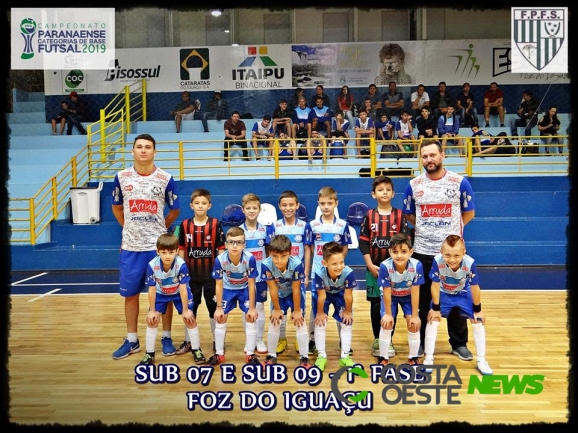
(507, 216)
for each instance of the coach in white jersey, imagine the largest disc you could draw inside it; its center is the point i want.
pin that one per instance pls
(438, 203)
(138, 202)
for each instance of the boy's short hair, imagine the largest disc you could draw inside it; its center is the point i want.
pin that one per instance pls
(331, 248)
(235, 231)
(399, 239)
(452, 240)
(288, 194)
(381, 179)
(327, 191)
(250, 197)
(280, 244)
(146, 137)
(201, 192)
(167, 241)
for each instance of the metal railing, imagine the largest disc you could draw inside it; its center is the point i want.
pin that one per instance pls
(107, 152)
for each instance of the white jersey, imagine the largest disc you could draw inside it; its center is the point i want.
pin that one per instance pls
(337, 231)
(255, 243)
(143, 199)
(299, 234)
(452, 282)
(438, 206)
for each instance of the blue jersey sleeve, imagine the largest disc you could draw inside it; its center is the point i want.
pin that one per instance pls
(408, 202)
(419, 278)
(434, 273)
(171, 196)
(217, 273)
(116, 192)
(467, 202)
(252, 272)
(383, 276)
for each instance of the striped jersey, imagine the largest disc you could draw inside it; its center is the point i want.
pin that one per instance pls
(167, 283)
(235, 277)
(454, 282)
(255, 242)
(376, 232)
(201, 244)
(322, 280)
(337, 231)
(299, 234)
(283, 280)
(400, 283)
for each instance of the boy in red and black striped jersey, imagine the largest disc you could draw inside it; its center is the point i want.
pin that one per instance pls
(377, 228)
(201, 239)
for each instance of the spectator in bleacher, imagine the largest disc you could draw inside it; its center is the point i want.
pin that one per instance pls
(60, 118)
(419, 99)
(427, 124)
(549, 127)
(286, 146)
(465, 107)
(345, 103)
(364, 128)
(494, 104)
(321, 116)
(440, 100)
(77, 112)
(385, 130)
(301, 120)
(393, 102)
(217, 108)
(404, 132)
(319, 91)
(235, 131)
(262, 134)
(485, 143)
(282, 118)
(449, 129)
(527, 114)
(340, 124)
(375, 99)
(297, 93)
(185, 109)
(368, 107)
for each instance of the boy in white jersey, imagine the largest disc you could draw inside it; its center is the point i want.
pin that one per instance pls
(299, 233)
(257, 237)
(139, 197)
(234, 272)
(455, 285)
(334, 283)
(327, 228)
(168, 282)
(399, 279)
(284, 275)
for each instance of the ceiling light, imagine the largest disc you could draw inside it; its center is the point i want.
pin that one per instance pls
(216, 13)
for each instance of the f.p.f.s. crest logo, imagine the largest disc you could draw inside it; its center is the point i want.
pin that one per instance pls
(539, 35)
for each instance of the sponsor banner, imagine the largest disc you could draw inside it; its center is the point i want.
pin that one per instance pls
(266, 67)
(56, 38)
(540, 40)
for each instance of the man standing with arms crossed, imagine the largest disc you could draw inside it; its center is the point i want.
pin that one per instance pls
(138, 202)
(438, 203)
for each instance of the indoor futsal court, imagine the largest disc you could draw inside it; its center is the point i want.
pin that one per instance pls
(65, 326)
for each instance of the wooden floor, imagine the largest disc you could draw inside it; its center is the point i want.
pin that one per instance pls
(61, 369)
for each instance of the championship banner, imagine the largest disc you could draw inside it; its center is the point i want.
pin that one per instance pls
(62, 38)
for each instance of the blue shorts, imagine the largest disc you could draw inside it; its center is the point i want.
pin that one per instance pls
(338, 302)
(161, 302)
(287, 303)
(132, 271)
(232, 298)
(403, 301)
(261, 291)
(462, 300)
(285, 154)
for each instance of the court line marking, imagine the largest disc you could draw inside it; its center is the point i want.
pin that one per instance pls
(29, 278)
(80, 283)
(43, 295)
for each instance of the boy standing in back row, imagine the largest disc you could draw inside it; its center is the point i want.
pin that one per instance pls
(201, 239)
(377, 228)
(299, 233)
(327, 228)
(257, 237)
